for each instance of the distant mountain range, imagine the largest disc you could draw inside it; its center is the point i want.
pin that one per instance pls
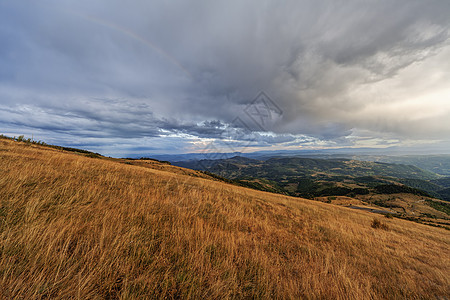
(316, 177)
(284, 167)
(436, 163)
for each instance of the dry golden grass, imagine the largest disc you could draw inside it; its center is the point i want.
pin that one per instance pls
(78, 227)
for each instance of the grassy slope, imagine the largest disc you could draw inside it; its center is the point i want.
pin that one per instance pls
(73, 226)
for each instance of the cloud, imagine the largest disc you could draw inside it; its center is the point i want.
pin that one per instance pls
(181, 71)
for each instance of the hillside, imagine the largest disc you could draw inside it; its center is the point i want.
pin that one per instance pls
(373, 183)
(439, 164)
(74, 226)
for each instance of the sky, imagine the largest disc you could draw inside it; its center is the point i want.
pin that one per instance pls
(127, 78)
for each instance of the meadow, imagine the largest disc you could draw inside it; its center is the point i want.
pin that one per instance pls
(73, 226)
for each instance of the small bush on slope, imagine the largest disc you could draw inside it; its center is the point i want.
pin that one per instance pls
(377, 224)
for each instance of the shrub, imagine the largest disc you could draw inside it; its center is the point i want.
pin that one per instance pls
(93, 155)
(377, 224)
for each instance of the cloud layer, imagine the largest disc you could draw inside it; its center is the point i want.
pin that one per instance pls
(176, 76)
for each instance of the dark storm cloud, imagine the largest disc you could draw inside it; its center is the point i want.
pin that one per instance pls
(104, 118)
(137, 69)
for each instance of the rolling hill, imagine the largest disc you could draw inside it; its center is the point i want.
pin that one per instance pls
(439, 164)
(284, 167)
(76, 225)
(408, 191)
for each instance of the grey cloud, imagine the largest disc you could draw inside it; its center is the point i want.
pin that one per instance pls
(153, 69)
(104, 118)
